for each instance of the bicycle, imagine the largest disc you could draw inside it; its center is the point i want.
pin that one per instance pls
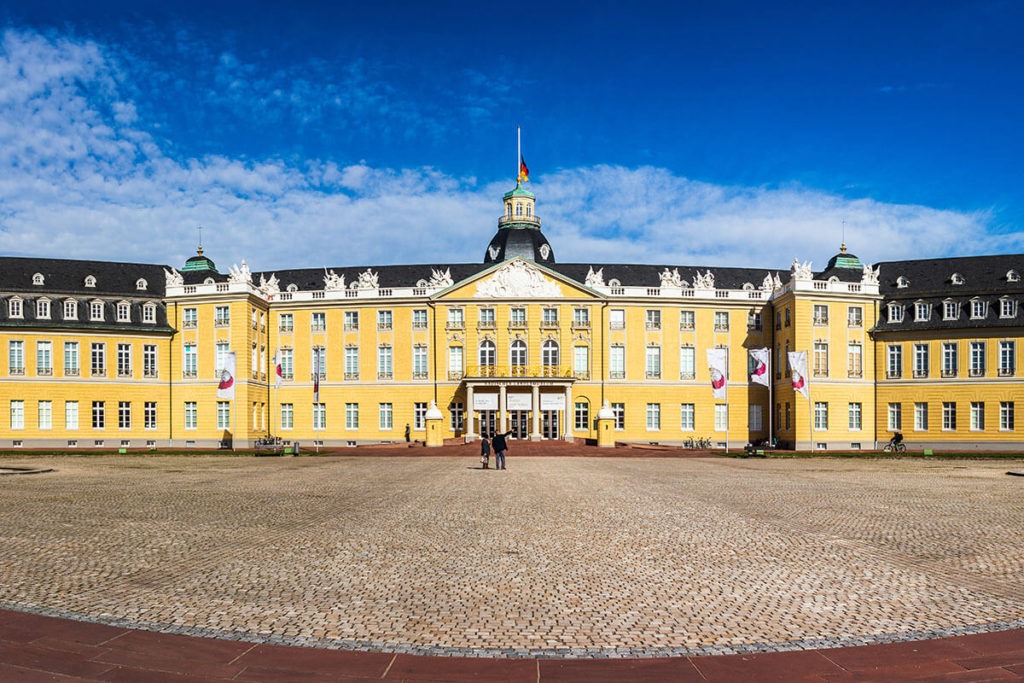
(894, 447)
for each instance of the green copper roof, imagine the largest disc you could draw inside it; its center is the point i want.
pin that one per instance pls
(519, 191)
(199, 263)
(844, 260)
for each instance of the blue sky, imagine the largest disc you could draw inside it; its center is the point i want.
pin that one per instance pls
(306, 134)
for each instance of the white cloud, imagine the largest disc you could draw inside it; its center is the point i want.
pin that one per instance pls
(80, 178)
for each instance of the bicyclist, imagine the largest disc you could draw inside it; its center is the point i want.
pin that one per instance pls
(897, 439)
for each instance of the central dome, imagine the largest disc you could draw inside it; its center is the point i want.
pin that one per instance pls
(519, 232)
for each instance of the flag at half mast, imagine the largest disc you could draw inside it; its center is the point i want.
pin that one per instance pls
(524, 172)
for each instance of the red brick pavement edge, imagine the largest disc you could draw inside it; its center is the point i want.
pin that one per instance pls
(42, 648)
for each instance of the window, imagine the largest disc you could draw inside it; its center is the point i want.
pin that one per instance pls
(223, 415)
(98, 359)
(71, 362)
(753, 321)
(920, 417)
(721, 417)
(318, 362)
(549, 357)
(581, 416)
(787, 317)
(977, 416)
(920, 360)
(15, 308)
(38, 279)
(124, 415)
(617, 362)
(149, 414)
(755, 418)
(419, 318)
(16, 357)
(17, 414)
(653, 416)
(124, 312)
(43, 309)
(517, 317)
(686, 417)
(320, 416)
(96, 311)
(617, 319)
(820, 359)
(950, 360)
(581, 317)
(71, 415)
(149, 313)
(686, 320)
(488, 356)
(787, 415)
(653, 362)
(957, 279)
(581, 362)
(191, 415)
(820, 416)
(124, 360)
(190, 362)
(895, 417)
(1007, 358)
(456, 416)
(619, 411)
(855, 316)
(70, 310)
(922, 312)
(90, 281)
(653, 319)
(189, 318)
(854, 360)
(44, 358)
(419, 415)
(1006, 416)
(318, 321)
(1007, 308)
(286, 322)
(351, 320)
(721, 321)
(856, 413)
(487, 319)
(419, 361)
(455, 362)
(895, 366)
(385, 413)
(99, 415)
(950, 310)
(979, 309)
(384, 362)
(351, 416)
(287, 416)
(977, 368)
(895, 313)
(687, 362)
(456, 319)
(821, 314)
(351, 363)
(549, 317)
(948, 416)
(902, 282)
(517, 359)
(45, 414)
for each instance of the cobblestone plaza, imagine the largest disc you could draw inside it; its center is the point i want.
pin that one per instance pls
(559, 556)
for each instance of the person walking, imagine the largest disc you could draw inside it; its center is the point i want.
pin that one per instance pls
(485, 450)
(500, 447)
(407, 432)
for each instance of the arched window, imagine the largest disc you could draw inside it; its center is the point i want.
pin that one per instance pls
(549, 354)
(38, 279)
(488, 354)
(141, 284)
(518, 355)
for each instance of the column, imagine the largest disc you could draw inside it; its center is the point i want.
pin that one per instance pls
(502, 412)
(535, 434)
(568, 412)
(470, 413)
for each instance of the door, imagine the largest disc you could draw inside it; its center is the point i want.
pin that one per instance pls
(520, 421)
(488, 422)
(549, 424)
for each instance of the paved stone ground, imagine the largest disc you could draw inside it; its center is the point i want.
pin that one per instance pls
(557, 556)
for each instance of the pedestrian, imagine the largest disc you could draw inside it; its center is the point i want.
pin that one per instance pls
(500, 447)
(485, 450)
(407, 432)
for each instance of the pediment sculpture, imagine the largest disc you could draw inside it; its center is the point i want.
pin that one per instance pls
(517, 279)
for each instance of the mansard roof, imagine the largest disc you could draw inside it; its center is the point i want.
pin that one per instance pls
(67, 276)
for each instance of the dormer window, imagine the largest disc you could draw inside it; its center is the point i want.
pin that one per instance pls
(43, 309)
(292, 287)
(15, 308)
(90, 281)
(922, 312)
(950, 310)
(957, 279)
(149, 313)
(979, 309)
(1007, 307)
(141, 284)
(70, 309)
(124, 312)
(895, 313)
(1012, 276)
(96, 311)
(38, 279)
(209, 281)
(902, 282)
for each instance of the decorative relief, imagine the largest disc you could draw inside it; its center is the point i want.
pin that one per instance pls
(440, 280)
(517, 279)
(367, 280)
(240, 274)
(594, 279)
(802, 271)
(173, 278)
(871, 275)
(705, 281)
(545, 251)
(333, 282)
(671, 278)
(271, 287)
(493, 251)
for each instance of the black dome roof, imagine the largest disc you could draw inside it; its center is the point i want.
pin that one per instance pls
(526, 243)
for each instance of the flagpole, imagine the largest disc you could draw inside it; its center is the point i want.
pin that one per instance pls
(771, 402)
(519, 151)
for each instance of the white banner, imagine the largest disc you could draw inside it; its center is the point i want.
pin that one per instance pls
(226, 387)
(798, 362)
(519, 401)
(485, 401)
(719, 372)
(762, 357)
(552, 401)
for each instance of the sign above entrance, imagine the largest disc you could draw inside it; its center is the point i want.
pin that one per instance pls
(520, 401)
(485, 401)
(552, 401)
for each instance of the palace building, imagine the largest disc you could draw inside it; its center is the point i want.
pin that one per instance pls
(112, 355)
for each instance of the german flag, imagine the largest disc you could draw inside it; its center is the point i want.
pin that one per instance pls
(524, 172)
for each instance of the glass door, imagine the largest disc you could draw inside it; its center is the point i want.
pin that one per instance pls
(549, 424)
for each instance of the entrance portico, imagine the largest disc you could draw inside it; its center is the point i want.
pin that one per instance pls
(531, 407)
